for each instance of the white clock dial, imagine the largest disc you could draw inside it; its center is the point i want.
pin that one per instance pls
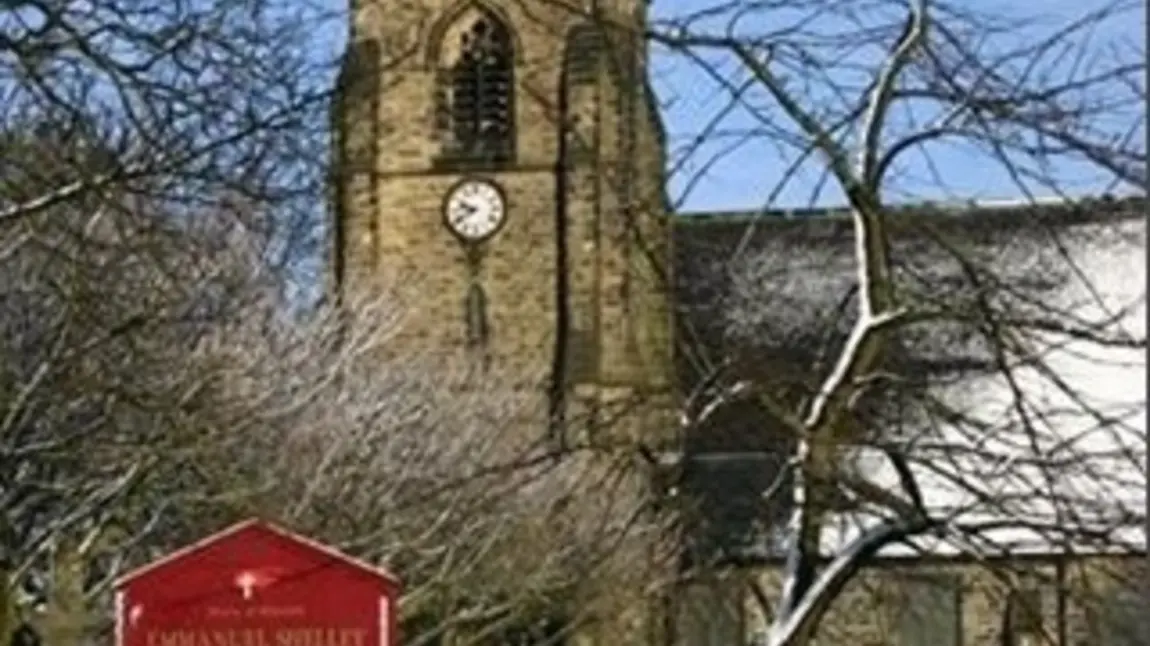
(474, 209)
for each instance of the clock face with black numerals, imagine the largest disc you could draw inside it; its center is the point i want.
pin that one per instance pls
(474, 209)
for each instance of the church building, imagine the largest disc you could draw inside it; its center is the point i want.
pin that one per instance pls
(509, 155)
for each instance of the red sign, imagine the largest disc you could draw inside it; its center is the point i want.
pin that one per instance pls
(256, 584)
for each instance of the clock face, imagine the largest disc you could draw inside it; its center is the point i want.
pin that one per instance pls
(474, 209)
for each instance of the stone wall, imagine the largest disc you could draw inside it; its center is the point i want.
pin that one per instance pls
(1039, 600)
(391, 183)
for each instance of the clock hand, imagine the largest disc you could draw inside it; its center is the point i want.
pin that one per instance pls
(467, 211)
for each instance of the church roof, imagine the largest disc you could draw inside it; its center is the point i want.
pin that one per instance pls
(769, 295)
(729, 265)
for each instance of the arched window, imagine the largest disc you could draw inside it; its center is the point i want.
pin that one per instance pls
(476, 89)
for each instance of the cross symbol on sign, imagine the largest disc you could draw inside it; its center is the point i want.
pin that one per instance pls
(246, 581)
(250, 580)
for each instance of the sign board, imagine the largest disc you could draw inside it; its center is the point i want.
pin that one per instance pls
(256, 584)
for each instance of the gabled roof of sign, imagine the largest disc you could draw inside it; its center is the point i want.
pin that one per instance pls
(259, 525)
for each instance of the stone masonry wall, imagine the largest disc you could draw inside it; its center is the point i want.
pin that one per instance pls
(964, 603)
(390, 191)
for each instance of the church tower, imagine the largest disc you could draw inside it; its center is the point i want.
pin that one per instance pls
(501, 162)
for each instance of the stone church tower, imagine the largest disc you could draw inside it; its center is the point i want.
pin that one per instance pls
(503, 158)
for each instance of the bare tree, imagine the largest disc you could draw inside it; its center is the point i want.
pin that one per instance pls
(100, 299)
(122, 126)
(196, 397)
(159, 173)
(159, 384)
(499, 535)
(939, 381)
(188, 104)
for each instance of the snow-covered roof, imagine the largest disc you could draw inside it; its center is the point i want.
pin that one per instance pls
(772, 294)
(1060, 453)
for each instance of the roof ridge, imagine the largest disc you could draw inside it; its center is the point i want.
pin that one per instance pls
(949, 208)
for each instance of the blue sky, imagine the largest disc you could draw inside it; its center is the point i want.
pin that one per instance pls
(746, 177)
(749, 176)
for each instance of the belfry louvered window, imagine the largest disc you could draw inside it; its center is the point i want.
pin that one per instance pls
(476, 90)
